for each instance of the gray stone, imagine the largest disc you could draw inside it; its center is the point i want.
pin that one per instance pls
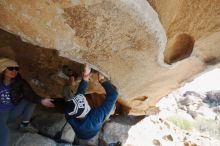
(28, 139)
(117, 129)
(52, 123)
(213, 97)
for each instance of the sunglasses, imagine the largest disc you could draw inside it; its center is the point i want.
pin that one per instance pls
(13, 68)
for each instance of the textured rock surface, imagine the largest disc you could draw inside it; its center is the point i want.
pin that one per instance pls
(122, 38)
(152, 131)
(199, 20)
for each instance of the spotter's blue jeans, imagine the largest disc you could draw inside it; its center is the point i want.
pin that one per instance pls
(24, 108)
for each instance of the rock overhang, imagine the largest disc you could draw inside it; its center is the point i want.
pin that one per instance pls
(123, 39)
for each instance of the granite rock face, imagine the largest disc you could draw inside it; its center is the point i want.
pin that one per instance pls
(147, 48)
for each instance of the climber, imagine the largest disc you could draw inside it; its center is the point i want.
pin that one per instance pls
(16, 99)
(86, 121)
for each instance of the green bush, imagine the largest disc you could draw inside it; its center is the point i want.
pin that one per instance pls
(181, 123)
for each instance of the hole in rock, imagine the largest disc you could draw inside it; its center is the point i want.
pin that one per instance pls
(178, 48)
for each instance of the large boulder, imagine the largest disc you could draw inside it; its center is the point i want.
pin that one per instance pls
(147, 48)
